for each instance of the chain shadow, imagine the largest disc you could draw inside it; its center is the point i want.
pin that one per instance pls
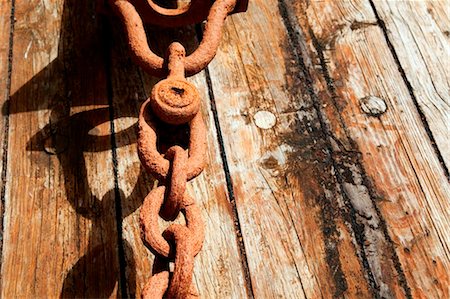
(75, 80)
(66, 87)
(96, 273)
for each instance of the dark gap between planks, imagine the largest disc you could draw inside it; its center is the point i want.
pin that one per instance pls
(117, 202)
(226, 169)
(6, 131)
(383, 27)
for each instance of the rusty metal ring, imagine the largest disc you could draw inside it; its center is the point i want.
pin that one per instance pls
(181, 281)
(155, 65)
(150, 227)
(175, 101)
(155, 163)
(158, 284)
(177, 184)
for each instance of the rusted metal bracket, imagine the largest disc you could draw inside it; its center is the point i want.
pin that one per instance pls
(131, 11)
(152, 13)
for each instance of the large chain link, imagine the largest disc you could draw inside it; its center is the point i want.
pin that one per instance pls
(176, 102)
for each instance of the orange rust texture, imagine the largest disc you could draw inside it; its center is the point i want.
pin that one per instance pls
(175, 102)
(130, 16)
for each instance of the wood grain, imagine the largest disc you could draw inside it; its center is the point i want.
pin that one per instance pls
(5, 23)
(60, 235)
(218, 271)
(295, 223)
(419, 32)
(322, 180)
(400, 172)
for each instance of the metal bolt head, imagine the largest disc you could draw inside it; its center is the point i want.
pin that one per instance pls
(265, 119)
(373, 106)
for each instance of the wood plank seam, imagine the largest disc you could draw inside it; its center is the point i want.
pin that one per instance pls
(366, 182)
(6, 133)
(425, 123)
(329, 226)
(290, 27)
(72, 214)
(338, 148)
(284, 173)
(360, 236)
(229, 181)
(118, 198)
(362, 57)
(127, 291)
(404, 170)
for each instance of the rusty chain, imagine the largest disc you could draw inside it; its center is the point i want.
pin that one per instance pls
(174, 101)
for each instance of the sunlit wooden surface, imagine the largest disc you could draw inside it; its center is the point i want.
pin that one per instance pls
(328, 152)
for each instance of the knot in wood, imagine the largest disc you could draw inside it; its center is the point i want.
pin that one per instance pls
(175, 101)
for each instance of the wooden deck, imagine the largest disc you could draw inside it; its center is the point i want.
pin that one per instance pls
(328, 152)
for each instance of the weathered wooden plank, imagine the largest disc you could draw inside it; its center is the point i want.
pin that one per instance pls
(5, 23)
(218, 271)
(297, 227)
(419, 32)
(397, 182)
(60, 231)
(332, 202)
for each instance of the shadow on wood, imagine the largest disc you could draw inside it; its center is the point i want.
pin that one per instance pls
(68, 135)
(77, 109)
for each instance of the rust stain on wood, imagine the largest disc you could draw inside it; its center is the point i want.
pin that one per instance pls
(342, 63)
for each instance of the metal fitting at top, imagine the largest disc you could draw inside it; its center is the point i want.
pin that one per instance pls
(134, 13)
(152, 13)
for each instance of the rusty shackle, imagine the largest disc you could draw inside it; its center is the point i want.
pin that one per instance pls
(133, 14)
(194, 12)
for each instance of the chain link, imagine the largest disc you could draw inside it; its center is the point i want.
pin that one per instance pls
(177, 184)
